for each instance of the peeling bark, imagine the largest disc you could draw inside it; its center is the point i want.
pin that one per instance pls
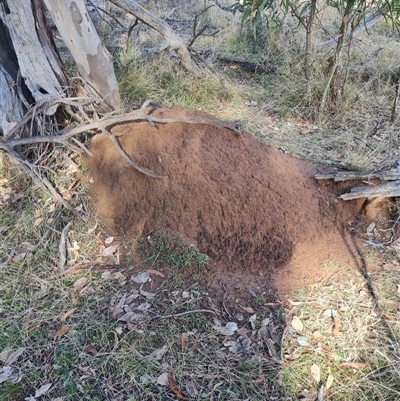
(94, 62)
(36, 70)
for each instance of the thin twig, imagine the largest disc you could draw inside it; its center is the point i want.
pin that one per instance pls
(8, 260)
(43, 182)
(196, 34)
(62, 246)
(285, 331)
(97, 8)
(223, 301)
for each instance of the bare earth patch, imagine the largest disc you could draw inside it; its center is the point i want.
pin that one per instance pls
(259, 214)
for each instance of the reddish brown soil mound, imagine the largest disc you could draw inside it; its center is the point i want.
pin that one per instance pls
(253, 210)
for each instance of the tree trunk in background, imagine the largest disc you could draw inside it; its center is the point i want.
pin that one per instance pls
(172, 41)
(94, 62)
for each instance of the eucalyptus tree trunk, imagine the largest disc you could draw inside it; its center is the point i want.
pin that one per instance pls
(94, 62)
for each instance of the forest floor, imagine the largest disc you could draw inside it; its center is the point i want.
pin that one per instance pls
(237, 277)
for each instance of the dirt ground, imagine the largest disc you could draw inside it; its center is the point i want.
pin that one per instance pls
(259, 214)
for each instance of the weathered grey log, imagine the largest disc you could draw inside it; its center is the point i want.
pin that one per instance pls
(340, 176)
(385, 190)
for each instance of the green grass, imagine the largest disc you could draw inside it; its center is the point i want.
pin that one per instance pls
(175, 252)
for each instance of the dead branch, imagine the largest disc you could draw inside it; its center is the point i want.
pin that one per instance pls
(232, 8)
(197, 34)
(109, 122)
(80, 109)
(396, 98)
(128, 159)
(182, 314)
(340, 176)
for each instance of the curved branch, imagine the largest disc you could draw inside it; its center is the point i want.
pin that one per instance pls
(128, 159)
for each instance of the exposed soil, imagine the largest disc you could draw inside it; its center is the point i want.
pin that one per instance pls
(259, 214)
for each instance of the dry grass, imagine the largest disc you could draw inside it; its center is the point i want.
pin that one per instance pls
(363, 358)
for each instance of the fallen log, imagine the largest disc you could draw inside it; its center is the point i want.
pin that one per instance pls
(389, 188)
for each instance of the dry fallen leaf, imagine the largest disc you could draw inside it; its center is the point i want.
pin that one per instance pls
(162, 380)
(183, 341)
(316, 373)
(5, 373)
(9, 356)
(252, 321)
(90, 350)
(191, 389)
(329, 381)
(78, 285)
(111, 249)
(297, 324)
(109, 240)
(155, 272)
(38, 221)
(247, 309)
(92, 230)
(110, 384)
(42, 390)
(391, 267)
(63, 330)
(173, 386)
(294, 303)
(141, 278)
(68, 314)
(355, 365)
(159, 353)
(114, 312)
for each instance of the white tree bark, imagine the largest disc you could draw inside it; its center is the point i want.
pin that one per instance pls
(35, 68)
(94, 62)
(172, 41)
